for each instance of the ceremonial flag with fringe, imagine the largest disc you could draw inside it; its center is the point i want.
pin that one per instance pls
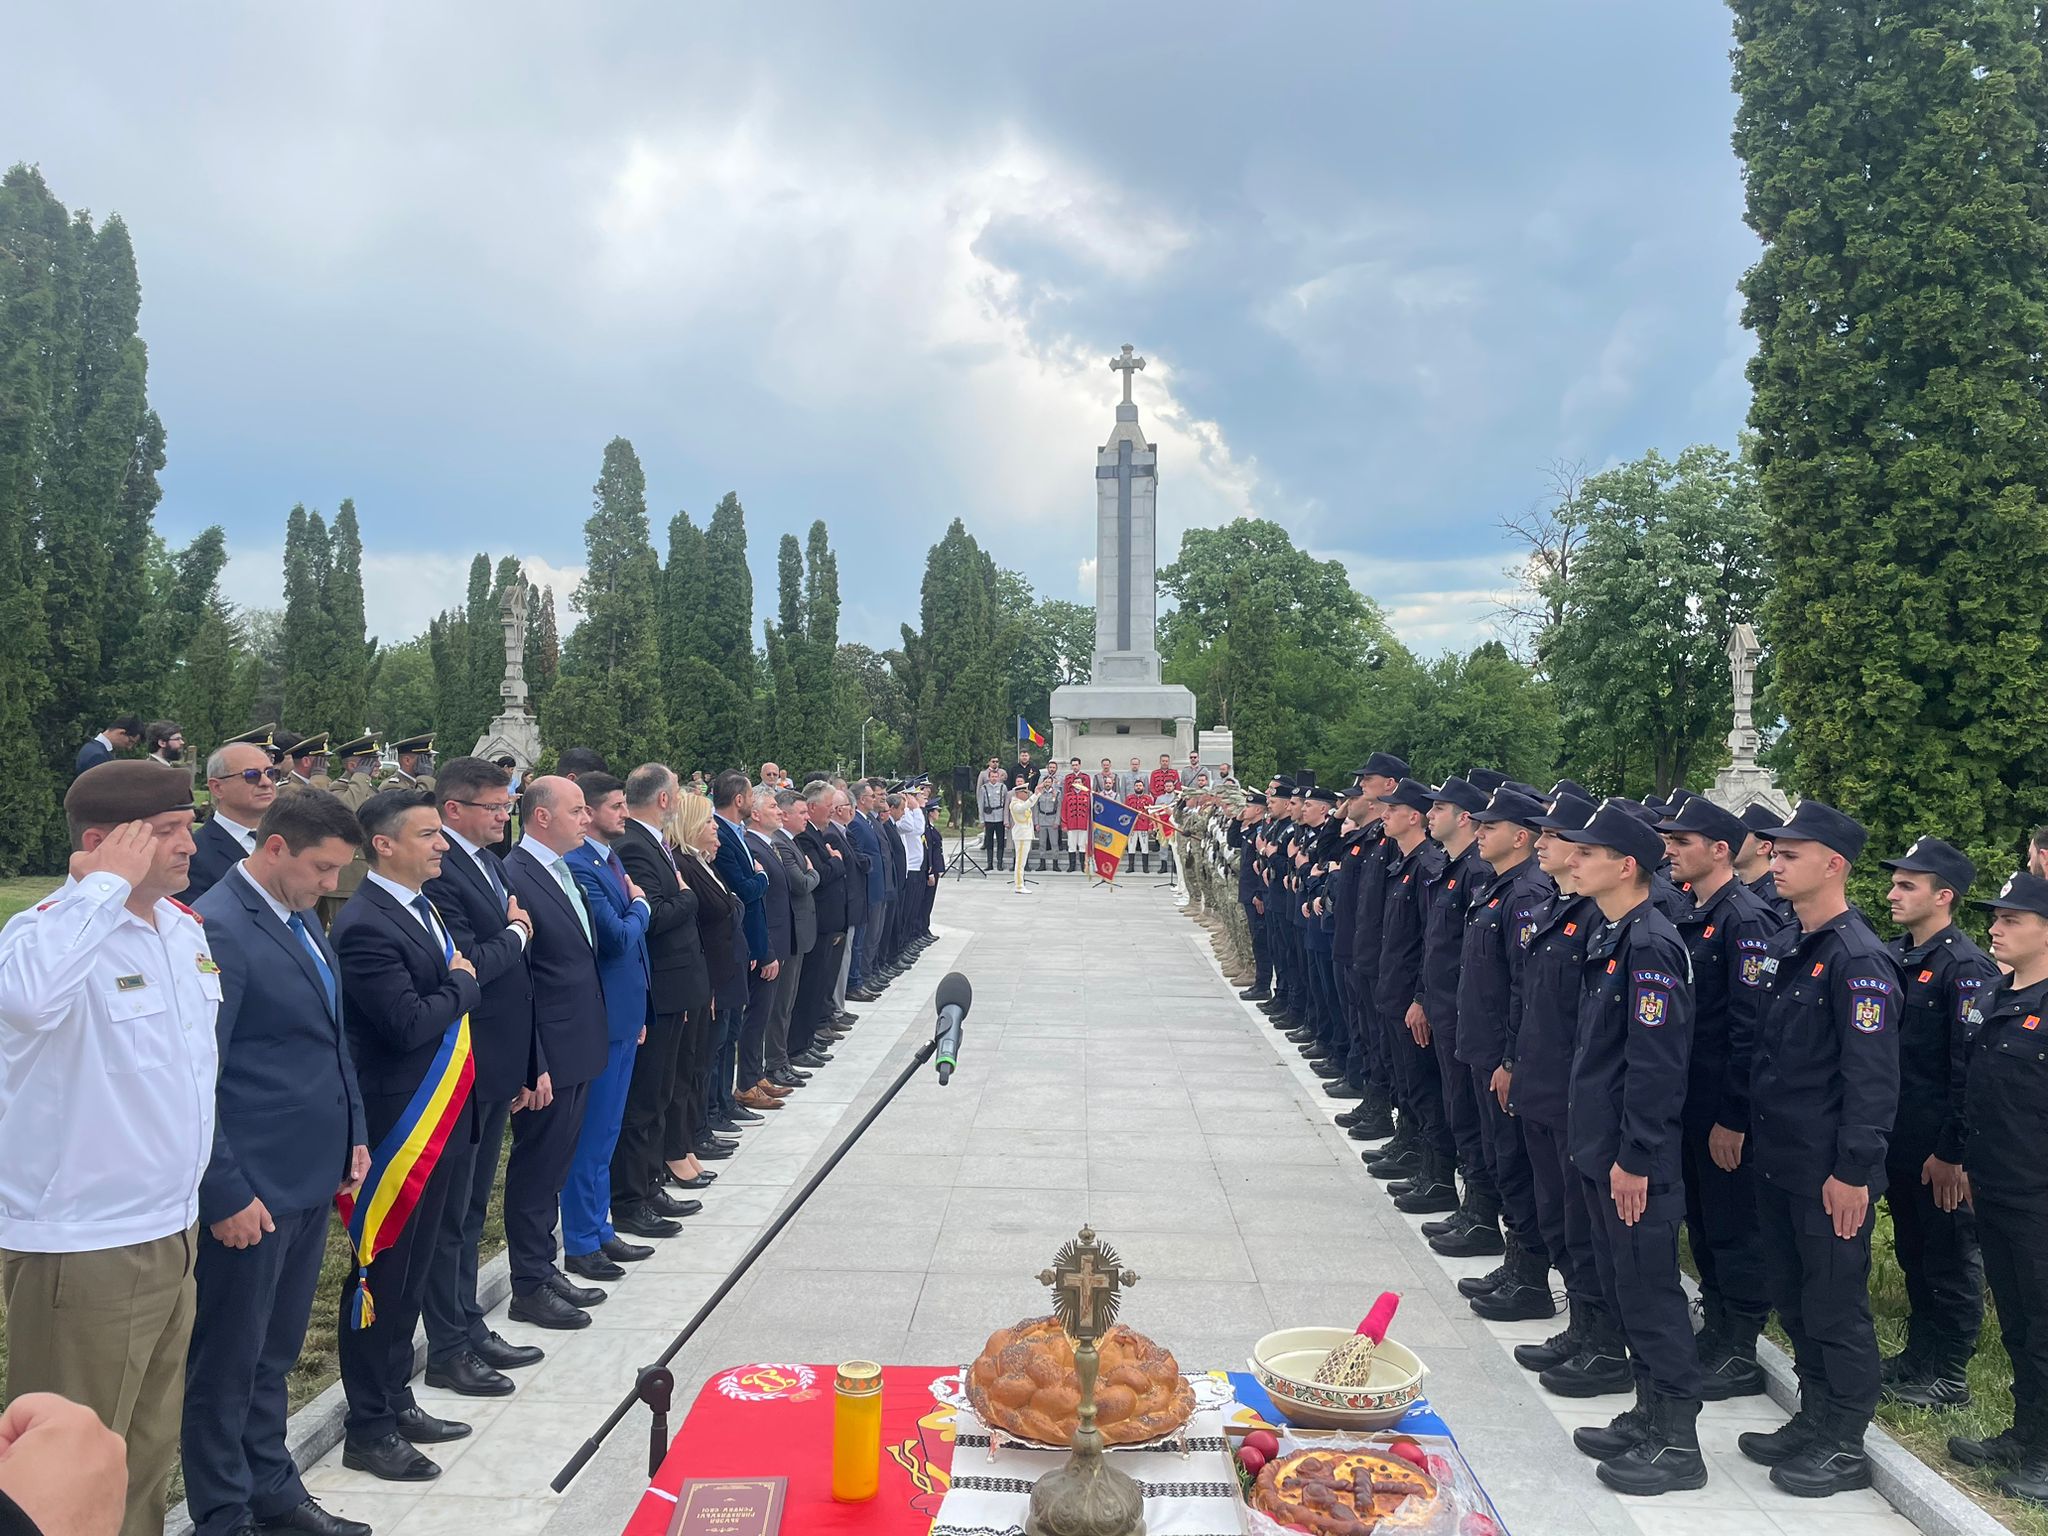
(1110, 834)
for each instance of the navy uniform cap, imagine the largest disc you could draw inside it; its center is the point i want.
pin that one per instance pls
(1679, 796)
(1571, 787)
(1701, 816)
(1254, 797)
(1321, 792)
(1759, 818)
(1384, 765)
(1410, 792)
(1485, 780)
(1509, 805)
(1567, 813)
(1814, 822)
(1465, 795)
(1932, 856)
(2021, 892)
(1614, 827)
(1524, 789)
(1283, 789)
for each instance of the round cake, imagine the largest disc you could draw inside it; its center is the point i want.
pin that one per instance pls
(1339, 1493)
(1024, 1384)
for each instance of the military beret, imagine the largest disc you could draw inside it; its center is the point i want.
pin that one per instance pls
(1701, 816)
(1931, 856)
(1508, 805)
(1613, 826)
(1384, 765)
(1485, 780)
(1814, 822)
(1411, 793)
(126, 789)
(2021, 892)
(1464, 795)
(1759, 818)
(1568, 812)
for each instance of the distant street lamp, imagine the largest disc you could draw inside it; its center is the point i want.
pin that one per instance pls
(864, 745)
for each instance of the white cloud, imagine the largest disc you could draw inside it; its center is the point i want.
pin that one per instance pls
(1084, 578)
(402, 590)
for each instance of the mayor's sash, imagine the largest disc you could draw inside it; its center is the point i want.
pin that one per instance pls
(403, 1162)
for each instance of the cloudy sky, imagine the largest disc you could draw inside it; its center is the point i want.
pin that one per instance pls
(867, 263)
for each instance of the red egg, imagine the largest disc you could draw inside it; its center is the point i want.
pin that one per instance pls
(1264, 1442)
(1411, 1453)
(1251, 1458)
(1477, 1524)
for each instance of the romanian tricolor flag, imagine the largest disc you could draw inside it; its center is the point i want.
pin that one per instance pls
(403, 1162)
(1111, 833)
(1027, 733)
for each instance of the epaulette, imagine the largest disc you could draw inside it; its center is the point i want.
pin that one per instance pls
(186, 910)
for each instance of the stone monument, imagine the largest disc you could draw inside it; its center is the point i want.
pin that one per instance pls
(1745, 781)
(515, 733)
(1124, 710)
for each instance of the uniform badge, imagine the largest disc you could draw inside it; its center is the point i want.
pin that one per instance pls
(1819, 966)
(1650, 1009)
(1570, 929)
(206, 964)
(1525, 933)
(129, 983)
(1707, 932)
(1611, 965)
(2031, 1021)
(1868, 1015)
(1924, 977)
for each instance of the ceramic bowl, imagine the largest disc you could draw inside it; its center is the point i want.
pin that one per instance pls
(1285, 1364)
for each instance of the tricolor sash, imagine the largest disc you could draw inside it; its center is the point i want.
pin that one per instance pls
(404, 1160)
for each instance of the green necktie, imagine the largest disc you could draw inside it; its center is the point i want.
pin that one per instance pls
(567, 882)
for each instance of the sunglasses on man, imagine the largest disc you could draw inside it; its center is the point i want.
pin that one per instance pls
(258, 775)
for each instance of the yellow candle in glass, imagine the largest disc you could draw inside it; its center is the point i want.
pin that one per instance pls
(857, 1431)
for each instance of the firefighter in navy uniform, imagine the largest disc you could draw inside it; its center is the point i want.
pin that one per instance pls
(1824, 1093)
(1361, 830)
(1272, 845)
(1492, 960)
(1377, 776)
(1319, 860)
(1244, 834)
(1933, 1232)
(1415, 862)
(2005, 1111)
(1754, 865)
(1728, 934)
(1629, 1076)
(1473, 1230)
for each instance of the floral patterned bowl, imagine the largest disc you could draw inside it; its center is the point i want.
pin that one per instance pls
(1285, 1363)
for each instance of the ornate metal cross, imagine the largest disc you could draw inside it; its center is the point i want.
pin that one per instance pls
(1087, 1281)
(1127, 364)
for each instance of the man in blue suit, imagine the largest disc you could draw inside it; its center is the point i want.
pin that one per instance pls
(867, 830)
(619, 914)
(288, 1134)
(569, 1014)
(862, 882)
(746, 877)
(778, 934)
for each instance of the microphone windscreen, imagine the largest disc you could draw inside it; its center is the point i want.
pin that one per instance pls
(954, 992)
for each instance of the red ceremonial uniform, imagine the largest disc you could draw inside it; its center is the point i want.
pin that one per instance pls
(1141, 802)
(1077, 805)
(1164, 782)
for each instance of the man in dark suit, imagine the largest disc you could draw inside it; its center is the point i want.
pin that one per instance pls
(117, 738)
(242, 782)
(680, 984)
(803, 935)
(868, 982)
(934, 868)
(732, 800)
(821, 965)
(569, 1015)
(288, 1133)
(484, 918)
(840, 829)
(405, 986)
(778, 921)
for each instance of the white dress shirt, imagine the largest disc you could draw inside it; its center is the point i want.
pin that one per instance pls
(107, 1066)
(476, 857)
(911, 830)
(278, 909)
(405, 896)
(246, 836)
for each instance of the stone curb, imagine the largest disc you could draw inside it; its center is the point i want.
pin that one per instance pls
(317, 1428)
(1912, 1487)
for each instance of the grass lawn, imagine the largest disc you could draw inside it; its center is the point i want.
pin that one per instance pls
(25, 891)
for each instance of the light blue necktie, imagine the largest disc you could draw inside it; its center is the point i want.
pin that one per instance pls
(567, 882)
(297, 923)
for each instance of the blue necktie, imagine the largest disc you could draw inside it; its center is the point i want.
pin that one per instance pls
(425, 908)
(298, 926)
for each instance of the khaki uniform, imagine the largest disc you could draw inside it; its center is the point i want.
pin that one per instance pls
(351, 789)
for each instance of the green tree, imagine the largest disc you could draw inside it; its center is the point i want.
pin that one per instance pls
(259, 684)
(1895, 176)
(403, 700)
(448, 651)
(1669, 560)
(543, 644)
(347, 694)
(204, 694)
(954, 657)
(308, 630)
(867, 689)
(708, 668)
(614, 657)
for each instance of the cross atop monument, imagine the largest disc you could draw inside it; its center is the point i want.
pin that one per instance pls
(1128, 364)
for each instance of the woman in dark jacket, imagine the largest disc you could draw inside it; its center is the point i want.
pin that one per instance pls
(689, 1130)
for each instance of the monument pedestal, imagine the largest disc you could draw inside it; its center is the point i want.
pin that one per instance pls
(1745, 781)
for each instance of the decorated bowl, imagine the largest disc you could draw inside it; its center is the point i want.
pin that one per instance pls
(1285, 1364)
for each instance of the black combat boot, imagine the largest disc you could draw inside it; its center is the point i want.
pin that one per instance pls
(2007, 1448)
(1524, 1295)
(1480, 1285)
(1375, 1120)
(1431, 1189)
(1770, 1448)
(1600, 1367)
(1481, 1234)
(2030, 1480)
(1728, 1365)
(1457, 1221)
(1832, 1461)
(1400, 1157)
(1937, 1378)
(1560, 1346)
(1603, 1442)
(1667, 1457)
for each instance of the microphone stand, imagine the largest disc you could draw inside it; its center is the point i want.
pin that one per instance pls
(656, 1384)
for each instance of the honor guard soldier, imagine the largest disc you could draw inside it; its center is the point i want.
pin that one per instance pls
(2006, 1125)
(1628, 1092)
(305, 762)
(1413, 863)
(1824, 1093)
(1933, 1233)
(1728, 934)
(359, 761)
(1361, 838)
(1381, 774)
(415, 763)
(1244, 832)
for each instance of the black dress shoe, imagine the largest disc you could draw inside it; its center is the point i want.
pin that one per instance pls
(663, 1203)
(389, 1458)
(641, 1221)
(812, 1059)
(310, 1517)
(619, 1251)
(713, 1151)
(463, 1372)
(544, 1309)
(703, 1180)
(862, 995)
(585, 1296)
(745, 1115)
(844, 1020)
(722, 1125)
(787, 1079)
(503, 1355)
(421, 1428)
(593, 1266)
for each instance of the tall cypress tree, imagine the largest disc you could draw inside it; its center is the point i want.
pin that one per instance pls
(954, 656)
(614, 655)
(708, 668)
(543, 645)
(820, 681)
(347, 700)
(308, 635)
(1894, 173)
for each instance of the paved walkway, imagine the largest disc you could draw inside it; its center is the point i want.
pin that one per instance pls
(1109, 1075)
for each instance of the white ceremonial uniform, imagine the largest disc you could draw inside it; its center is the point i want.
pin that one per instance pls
(911, 830)
(108, 1059)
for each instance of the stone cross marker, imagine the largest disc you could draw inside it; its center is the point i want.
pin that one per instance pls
(513, 616)
(1128, 365)
(1743, 651)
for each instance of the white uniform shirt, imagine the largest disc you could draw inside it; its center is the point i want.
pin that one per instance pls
(107, 1065)
(911, 830)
